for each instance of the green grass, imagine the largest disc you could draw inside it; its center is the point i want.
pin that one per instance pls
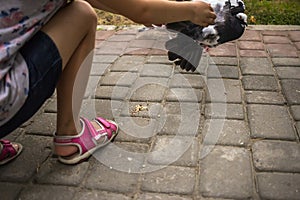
(275, 12)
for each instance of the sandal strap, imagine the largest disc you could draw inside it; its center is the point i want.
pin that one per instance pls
(7, 149)
(89, 137)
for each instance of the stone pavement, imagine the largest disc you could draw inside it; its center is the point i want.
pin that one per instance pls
(228, 131)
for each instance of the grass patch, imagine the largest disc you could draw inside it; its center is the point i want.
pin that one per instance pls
(275, 12)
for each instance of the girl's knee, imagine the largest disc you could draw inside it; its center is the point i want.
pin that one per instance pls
(85, 10)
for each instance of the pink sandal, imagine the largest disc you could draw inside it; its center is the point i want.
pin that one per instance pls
(8, 151)
(88, 141)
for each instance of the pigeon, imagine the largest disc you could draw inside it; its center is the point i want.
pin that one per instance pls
(186, 48)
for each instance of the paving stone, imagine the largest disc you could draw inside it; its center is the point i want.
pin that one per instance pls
(256, 66)
(103, 35)
(128, 64)
(119, 78)
(105, 58)
(180, 124)
(136, 129)
(184, 95)
(142, 43)
(296, 112)
(270, 121)
(184, 108)
(178, 150)
(9, 191)
(36, 149)
(282, 50)
(266, 83)
(227, 49)
(274, 33)
(251, 35)
(96, 195)
(160, 196)
(291, 90)
(223, 71)
(99, 107)
(111, 92)
(264, 97)
(286, 62)
(42, 192)
(141, 109)
(226, 132)
(251, 45)
(158, 59)
(223, 61)
(111, 48)
(92, 86)
(294, 35)
(148, 93)
(99, 69)
(279, 186)
(51, 106)
(221, 110)
(274, 156)
(253, 53)
(102, 178)
(177, 180)
(156, 70)
(187, 81)
(121, 38)
(44, 124)
(53, 172)
(226, 173)
(298, 128)
(276, 39)
(224, 90)
(288, 72)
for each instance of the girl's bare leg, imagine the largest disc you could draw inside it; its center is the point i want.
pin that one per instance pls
(73, 31)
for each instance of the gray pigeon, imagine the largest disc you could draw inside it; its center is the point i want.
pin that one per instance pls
(186, 48)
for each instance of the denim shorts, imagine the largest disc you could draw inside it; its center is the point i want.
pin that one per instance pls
(45, 66)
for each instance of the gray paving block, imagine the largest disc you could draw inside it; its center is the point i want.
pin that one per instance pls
(278, 186)
(226, 132)
(178, 108)
(111, 48)
(111, 92)
(92, 86)
(160, 196)
(157, 70)
(46, 192)
(291, 90)
(184, 95)
(288, 72)
(9, 191)
(177, 180)
(128, 64)
(267, 83)
(224, 60)
(221, 110)
(136, 129)
(148, 93)
(99, 69)
(119, 78)
(226, 173)
(187, 125)
(256, 66)
(141, 43)
(274, 156)
(225, 91)
(141, 109)
(264, 97)
(298, 128)
(179, 151)
(270, 121)
(286, 61)
(99, 195)
(158, 59)
(100, 107)
(103, 178)
(105, 58)
(36, 149)
(51, 106)
(187, 81)
(53, 172)
(43, 124)
(295, 110)
(121, 37)
(223, 71)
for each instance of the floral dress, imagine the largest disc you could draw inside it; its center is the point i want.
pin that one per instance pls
(19, 21)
